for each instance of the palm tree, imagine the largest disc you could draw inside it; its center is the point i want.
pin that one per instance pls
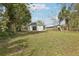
(64, 14)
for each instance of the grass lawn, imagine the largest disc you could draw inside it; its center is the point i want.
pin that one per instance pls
(49, 43)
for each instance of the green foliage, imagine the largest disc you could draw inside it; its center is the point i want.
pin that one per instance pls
(3, 25)
(70, 16)
(74, 22)
(18, 15)
(64, 14)
(4, 35)
(14, 17)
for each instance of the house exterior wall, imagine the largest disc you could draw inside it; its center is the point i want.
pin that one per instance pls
(29, 28)
(39, 28)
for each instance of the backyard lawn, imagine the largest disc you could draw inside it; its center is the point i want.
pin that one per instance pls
(49, 43)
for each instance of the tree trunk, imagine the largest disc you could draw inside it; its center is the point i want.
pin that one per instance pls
(13, 27)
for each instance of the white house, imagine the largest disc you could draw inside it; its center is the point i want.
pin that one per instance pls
(36, 27)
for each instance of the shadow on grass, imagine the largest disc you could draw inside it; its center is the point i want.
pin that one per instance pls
(26, 33)
(17, 47)
(13, 48)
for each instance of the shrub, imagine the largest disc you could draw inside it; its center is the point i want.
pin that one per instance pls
(4, 35)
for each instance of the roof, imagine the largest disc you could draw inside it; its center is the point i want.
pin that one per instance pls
(35, 24)
(53, 26)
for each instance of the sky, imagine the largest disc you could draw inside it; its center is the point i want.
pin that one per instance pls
(46, 12)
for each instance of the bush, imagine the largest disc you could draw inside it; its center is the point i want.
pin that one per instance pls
(6, 35)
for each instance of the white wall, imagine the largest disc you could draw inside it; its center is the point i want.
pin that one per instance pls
(39, 28)
(30, 28)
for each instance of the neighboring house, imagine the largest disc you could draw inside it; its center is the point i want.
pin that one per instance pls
(36, 27)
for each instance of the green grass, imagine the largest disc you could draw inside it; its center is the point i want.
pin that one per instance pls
(49, 43)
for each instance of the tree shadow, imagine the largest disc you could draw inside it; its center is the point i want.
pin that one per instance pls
(15, 45)
(25, 33)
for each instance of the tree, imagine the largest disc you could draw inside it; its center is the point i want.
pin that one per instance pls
(18, 14)
(64, 14)
(3, 19)
(75, 17)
